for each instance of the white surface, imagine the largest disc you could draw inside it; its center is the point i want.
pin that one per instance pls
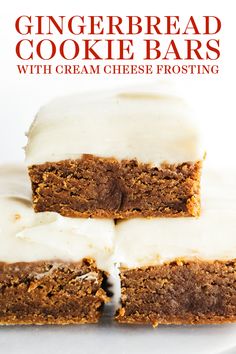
(153, 126)
(109, 337)
(27, 236)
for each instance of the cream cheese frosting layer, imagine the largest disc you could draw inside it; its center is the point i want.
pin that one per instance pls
(26, 236)
(212, 236)
(14, 182)
(153, 127)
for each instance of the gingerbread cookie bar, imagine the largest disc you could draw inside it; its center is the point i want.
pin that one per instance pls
(181, 270)
(115, 155)
(53, 270)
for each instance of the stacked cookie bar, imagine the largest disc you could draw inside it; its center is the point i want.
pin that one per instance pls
(115, 156)
(132, 158)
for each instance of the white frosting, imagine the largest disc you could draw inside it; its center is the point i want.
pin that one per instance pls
(14, 182)
(142, 242)
(153, 127)
(27, 236)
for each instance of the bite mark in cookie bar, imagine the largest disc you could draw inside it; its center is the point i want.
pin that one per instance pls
(49, 292)
(179, 292)
(106, 187)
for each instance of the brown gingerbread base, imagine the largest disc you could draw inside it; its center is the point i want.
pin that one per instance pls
(106, 187)
(51, 293)
(180, 292)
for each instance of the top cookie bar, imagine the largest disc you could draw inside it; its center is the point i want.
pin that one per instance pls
(115, 155)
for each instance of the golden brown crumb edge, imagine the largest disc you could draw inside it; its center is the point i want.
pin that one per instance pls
(180, 292)
(48, 292)
(105, 187)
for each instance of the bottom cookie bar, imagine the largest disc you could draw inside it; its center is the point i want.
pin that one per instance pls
(179, 292)
(53, 270)
(51, 292)
(181, 270)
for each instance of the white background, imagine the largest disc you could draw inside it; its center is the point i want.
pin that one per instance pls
(21, 97)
